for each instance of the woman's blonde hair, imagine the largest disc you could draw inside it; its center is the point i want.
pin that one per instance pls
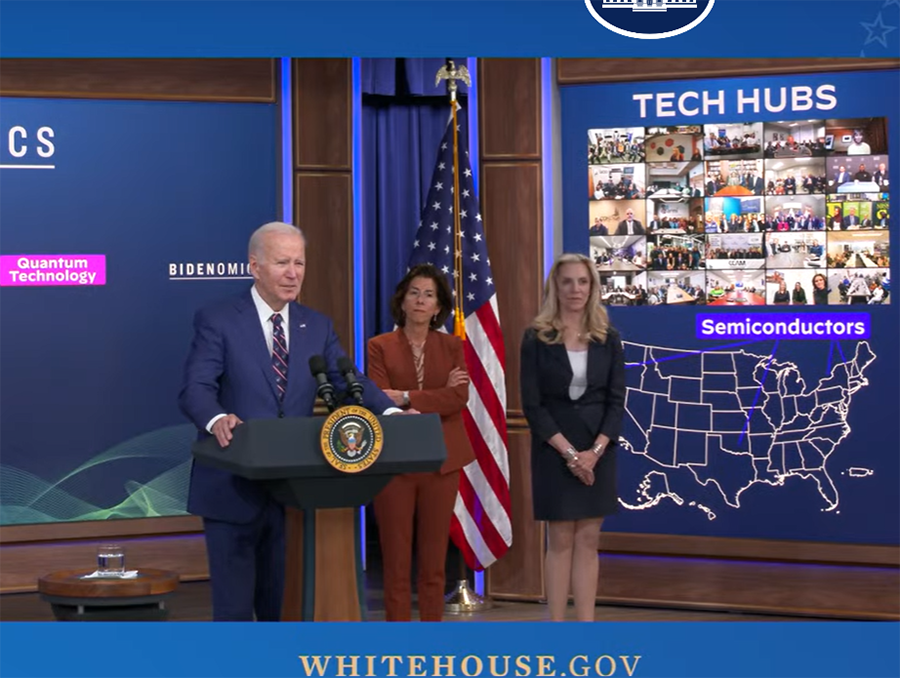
(548, 324)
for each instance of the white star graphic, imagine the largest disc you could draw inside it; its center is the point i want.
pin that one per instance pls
(446, 249)
(436, 206)
(477, 237)
(877, 31)
(431, 246)
(449, 229)
(466, 190)
(462, 233)
(468, 172)
(478, 217)
(439, 186)
(473, 277)
(445, 269)
(415, 244)
(490, 281)
(451, 209)
(434, 225)
(475, 257)
(470, 296)
(441, 166)
(443, 147)
(462, 214)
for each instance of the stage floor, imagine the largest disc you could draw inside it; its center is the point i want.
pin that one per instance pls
(698, 590)
(192, 602)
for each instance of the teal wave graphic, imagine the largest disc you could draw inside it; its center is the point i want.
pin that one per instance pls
(26, 498)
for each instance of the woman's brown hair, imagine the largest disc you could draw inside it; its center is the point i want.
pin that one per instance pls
(444, 296)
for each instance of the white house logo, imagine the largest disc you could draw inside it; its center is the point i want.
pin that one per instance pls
(209, 270)
(649, 19)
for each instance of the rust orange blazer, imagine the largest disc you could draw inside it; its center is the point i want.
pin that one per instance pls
(391, 366)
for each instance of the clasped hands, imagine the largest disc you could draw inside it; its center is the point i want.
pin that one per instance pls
(582, 466)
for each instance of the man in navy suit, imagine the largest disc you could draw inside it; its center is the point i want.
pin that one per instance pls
(842, 176)
(249, 360)
(851, 220)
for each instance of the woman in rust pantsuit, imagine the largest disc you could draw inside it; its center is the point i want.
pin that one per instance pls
(423, 369)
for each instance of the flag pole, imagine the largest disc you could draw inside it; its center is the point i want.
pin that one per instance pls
(462, 600)
(451, 74)
(459, 319)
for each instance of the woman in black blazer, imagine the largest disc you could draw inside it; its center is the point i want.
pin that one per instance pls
(573, 396)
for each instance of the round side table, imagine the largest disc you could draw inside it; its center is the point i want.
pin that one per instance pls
(141, 598)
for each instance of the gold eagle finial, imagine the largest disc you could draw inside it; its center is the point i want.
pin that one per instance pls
(451, 74)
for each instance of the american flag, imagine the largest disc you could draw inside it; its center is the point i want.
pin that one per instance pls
(481, 525)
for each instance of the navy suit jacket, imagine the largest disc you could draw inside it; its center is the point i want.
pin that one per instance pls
(229, 370)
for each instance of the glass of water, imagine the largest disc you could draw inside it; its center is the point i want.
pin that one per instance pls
(110, 560)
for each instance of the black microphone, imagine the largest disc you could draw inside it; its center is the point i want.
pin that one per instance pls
(324, 390)
(345, 366)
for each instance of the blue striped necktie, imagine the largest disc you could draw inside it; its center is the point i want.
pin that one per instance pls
(279, 355)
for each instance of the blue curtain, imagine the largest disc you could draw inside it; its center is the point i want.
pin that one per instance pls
(404, 118)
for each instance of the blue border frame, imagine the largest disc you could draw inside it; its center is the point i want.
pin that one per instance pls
(359, 260)
(472, 105)
(547, 92)
(475, 164)
(285, 105)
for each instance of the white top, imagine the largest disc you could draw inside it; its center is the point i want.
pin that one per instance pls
(578, 361)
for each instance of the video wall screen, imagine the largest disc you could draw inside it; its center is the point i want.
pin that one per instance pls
(793, 212)
(737, 202)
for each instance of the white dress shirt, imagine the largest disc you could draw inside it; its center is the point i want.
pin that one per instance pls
(265, 319)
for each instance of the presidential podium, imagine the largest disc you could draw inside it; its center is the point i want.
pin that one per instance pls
(324, 578)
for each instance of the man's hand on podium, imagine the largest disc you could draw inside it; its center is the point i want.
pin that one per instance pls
(409, 411)
(223, 427)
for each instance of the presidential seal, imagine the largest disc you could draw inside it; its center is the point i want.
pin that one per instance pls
(351, 439)
(649, 19)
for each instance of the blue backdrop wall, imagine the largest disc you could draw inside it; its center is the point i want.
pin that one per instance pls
(169, 193)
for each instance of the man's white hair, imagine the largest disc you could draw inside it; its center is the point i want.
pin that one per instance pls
(256, 240)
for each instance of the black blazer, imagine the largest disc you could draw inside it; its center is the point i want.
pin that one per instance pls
(545, 377)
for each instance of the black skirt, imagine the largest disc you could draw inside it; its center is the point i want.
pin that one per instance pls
(558, 495)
